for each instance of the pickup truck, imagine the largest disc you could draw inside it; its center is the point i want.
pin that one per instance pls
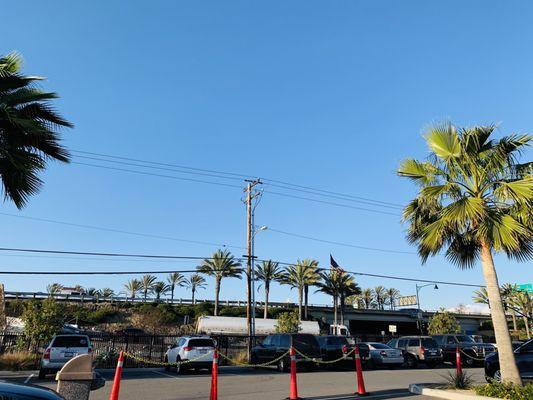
(472, 353)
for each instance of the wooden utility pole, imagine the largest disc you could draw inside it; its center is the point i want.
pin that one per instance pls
(249, 259)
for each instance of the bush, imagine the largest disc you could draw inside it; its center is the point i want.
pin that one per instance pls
(288, 322)
(103, 315)
(42, 320)
(18, 361)
(459, 381)
(506, 391)
(234, 312)
(443, 322)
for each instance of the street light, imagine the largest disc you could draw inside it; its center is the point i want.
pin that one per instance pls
(418, 287)
(252, 272)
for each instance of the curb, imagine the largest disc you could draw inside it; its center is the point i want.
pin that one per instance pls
(447, 394)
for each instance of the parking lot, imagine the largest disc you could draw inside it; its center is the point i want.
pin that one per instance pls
(265, 384)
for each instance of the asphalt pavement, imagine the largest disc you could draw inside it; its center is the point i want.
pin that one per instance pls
(262, 384)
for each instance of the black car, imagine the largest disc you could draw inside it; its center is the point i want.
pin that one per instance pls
(524, 361)
(18, 391)
(336, 347)
(472, 353)
(274, 346)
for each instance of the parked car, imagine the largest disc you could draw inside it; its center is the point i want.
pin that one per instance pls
(198, 350)
(524, 362)
(472, 353)
(418, 349)
(60, 350)
(383, 355)
(273, 347)
(19, 391)
(333, 347)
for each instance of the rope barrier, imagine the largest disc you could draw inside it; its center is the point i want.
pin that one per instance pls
(469, 356)
(241, 364)
(344, 357)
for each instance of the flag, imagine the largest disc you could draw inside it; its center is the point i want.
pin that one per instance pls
(333, 265)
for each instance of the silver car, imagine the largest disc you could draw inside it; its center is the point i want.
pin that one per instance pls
(383, 355)
(61, 349)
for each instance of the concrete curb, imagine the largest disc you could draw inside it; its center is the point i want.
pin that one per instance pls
(447, 394)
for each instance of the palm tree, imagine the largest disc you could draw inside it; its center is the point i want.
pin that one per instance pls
(474, 200)
(508, 292)
(481, 296)
(380, 295)
(53, 289)
(392, 295)
(523, 302)
(267, 272)
(195, 282)
(297, 276)
(107, 293)
(175, 279)
(159, 288)
(79, 289)
(329, 285)
(367, 297)
(93, 292)
(221, 265)
(147, 285)
(133, 286)
(347, 287)
(29, 131)
(313, 277)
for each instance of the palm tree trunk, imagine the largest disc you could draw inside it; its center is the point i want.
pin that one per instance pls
(508, 366)
(342, 309)
(217, 292)
(172, 295)
(145, 294)
(306, 297)
(300, 295)
(335, 320)
(267, 292)
(526, 323)
(192, 300)
(513, 314)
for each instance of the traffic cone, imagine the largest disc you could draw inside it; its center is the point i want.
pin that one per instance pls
(293, 394)
(214, 376)
(361, 391)
(458, 366)
(116, 381)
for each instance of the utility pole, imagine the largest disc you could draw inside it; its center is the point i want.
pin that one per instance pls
(249, 258)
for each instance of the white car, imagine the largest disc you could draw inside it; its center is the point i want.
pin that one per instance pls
(383, 355)
(194, 352)
(61, 349)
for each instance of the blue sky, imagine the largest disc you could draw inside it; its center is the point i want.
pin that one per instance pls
(324, 94)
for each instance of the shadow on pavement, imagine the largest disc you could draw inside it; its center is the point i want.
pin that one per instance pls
(378, 394)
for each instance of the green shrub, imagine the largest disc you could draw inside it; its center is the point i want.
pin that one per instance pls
(459, 381)
(506, 391)
(234, 312)
(288, 322)
(103, 315)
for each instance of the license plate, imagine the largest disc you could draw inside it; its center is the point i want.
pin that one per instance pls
(69, 355)
(204, 351)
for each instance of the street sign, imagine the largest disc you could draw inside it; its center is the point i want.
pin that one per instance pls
(526, 287)
(392, 328)
(407, 300)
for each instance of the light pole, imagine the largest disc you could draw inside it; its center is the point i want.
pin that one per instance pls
(254, 232)
(418, 287)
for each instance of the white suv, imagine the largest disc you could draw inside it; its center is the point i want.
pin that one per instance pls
(61, 349)
(198, 349)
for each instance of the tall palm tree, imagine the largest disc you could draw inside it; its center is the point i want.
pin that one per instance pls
(133, 286)
(313, 277)
(481, 296)
(159, 288)
(268, 271)
(107, 293)
(221, 265)
(475, 199)
(175, 279)
(195, 282)
(53, 289)
(508, 292)
(380, 295)
(29, 131)
(392, 295)
(367, 297)
(523, 302)
(329, 284)
(347, 287)
(147, 285)
(298, 276)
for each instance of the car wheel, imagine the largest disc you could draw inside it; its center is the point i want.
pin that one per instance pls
(410, 361)
(179, 368)
(497, 376)
(42, 373)
(167, 366)
(282, 365)
(431, 365)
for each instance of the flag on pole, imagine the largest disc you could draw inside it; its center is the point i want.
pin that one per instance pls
(333, 265)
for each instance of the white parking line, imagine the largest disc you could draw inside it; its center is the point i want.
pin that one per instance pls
(29, 378)
(165, 374)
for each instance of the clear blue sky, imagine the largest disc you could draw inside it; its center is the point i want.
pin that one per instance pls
(325, 94)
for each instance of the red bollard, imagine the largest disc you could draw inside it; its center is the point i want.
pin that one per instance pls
(214, 376)
(293, 395)
(458, 365)
(118, 375)
(361, 391)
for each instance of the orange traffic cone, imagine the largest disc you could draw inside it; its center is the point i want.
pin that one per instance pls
(214, 377)
(116, 381)
(458, 366)
(361, 391)
(293, 394)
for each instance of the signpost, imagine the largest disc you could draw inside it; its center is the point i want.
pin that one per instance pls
(392, 328)
(407, 301)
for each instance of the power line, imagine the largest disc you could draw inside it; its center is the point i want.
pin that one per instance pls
(99, 228)
(340, 243)
(152, 272)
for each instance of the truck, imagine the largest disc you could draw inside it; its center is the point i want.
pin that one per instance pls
(235, 326)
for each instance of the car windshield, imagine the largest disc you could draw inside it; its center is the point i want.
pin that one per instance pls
(465, 339)
(379, 346)
(427, 342)
(70, 341)
(201, 343)
(304, 341)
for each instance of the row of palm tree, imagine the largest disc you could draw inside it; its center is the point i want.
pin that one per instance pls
(148, 284)
(515, 302)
